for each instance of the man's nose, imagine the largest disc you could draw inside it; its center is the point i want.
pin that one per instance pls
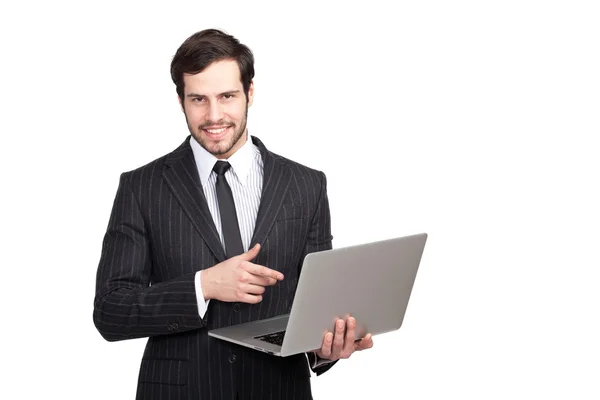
(215, 111)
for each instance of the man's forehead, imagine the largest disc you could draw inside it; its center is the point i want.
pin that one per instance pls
(218, 77)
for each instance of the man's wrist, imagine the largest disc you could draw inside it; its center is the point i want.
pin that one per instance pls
(205, 284)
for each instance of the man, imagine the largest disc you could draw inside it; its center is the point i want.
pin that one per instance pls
(210, 235)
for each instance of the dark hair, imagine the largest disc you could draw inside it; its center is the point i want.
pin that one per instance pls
(206, 47)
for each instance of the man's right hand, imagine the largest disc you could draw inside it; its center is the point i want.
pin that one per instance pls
(237, 279)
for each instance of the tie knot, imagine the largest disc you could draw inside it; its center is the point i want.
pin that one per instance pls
(221, 167)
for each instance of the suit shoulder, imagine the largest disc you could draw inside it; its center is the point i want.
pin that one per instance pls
(299, 169)
(145, 171)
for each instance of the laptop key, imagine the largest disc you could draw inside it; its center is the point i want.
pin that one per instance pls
(274, 338)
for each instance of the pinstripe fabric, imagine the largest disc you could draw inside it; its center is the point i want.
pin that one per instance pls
(160, 232)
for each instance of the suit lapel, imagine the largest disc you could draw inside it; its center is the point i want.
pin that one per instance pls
(276, 180)
(181, 176)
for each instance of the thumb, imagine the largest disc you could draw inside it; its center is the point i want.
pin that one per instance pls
(252, 253)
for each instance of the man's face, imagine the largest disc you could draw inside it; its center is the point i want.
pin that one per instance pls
(216, 108)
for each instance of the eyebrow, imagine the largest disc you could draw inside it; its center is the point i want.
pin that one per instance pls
(220, 94)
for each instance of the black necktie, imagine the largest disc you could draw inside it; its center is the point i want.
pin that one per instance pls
(229, 221)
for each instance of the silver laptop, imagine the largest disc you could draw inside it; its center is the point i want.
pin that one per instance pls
(371, 282)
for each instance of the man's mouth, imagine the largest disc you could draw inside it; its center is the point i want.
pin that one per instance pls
(216, 131)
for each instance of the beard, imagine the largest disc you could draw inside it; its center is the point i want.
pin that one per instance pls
(225, 145)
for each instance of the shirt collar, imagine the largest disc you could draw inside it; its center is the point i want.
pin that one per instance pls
(241, 160)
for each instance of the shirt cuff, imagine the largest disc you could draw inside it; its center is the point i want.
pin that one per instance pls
(202, 304)
(319, 361)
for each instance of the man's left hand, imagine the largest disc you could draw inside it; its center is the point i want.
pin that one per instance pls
(341, 344)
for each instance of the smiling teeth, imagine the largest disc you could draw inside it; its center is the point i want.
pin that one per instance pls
(215, 131)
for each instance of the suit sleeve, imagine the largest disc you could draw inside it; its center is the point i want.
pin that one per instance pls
(126, 306)
(319, 239)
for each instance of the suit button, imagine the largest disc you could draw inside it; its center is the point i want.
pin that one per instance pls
(175, 325)
(236, 307)
(232, 358)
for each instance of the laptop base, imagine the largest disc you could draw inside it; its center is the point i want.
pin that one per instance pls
(245, 334)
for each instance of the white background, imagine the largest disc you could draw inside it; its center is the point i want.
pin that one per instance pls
(473, 121)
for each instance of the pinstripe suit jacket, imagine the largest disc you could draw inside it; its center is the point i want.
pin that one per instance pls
(160, 233)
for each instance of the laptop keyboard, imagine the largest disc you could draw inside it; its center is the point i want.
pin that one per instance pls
(275, 338)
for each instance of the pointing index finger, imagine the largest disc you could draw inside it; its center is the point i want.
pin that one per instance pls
(264, 271)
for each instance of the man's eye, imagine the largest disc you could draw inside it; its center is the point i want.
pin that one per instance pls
(197, 99)
(228, 96)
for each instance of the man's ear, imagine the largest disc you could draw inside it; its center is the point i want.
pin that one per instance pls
(250, 93)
